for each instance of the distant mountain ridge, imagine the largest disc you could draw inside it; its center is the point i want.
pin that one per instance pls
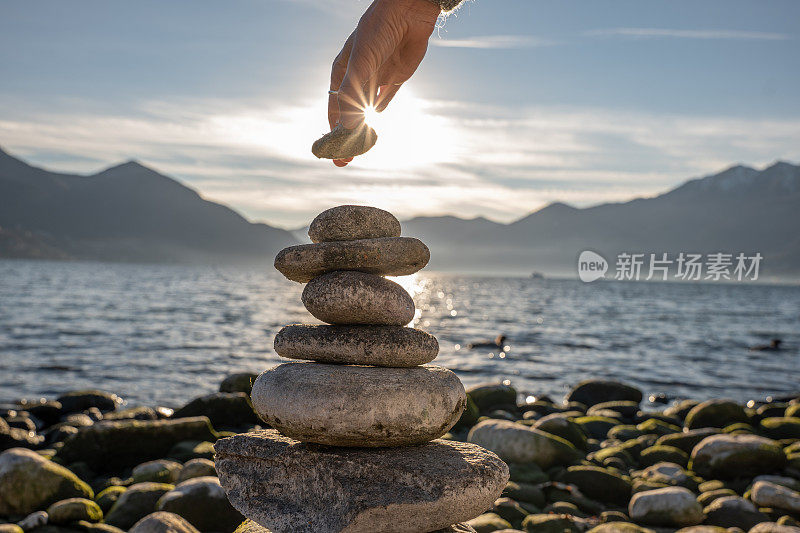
(740, 209)
(128, 212)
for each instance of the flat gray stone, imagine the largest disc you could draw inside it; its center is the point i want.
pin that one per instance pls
(356, 298)
(292, 487)
(353, 222)
(386, 256)
(393, 346)
(365, 406)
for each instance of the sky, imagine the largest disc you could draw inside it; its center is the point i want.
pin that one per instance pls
(517, 104)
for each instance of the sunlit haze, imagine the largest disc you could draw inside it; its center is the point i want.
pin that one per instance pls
(517, 104)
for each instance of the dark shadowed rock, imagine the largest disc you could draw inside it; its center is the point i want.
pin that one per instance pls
(77, 401)
(389, 256)
(224, 409)
(29, 482)
(354, 298)
(393, 346)
(239, 382)
(359, 405)
(202, 502)
(291, 487)
(136, 503)
(492, 395)
(598, 483)
(342, 143)
(594, 391)
(733, 511)
(353, 222)
(715, 414)
(109, 446)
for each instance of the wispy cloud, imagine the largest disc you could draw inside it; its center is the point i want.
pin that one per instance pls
(690, 34)
(449, 157)
(493, 42)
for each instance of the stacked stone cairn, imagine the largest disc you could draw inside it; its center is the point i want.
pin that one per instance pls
(355, 446)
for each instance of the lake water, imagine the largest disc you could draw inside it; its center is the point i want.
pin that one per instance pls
(165, 334)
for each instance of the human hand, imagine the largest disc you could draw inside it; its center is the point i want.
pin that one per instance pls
(381, 54)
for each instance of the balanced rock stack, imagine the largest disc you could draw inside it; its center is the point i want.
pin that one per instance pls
(353, 446)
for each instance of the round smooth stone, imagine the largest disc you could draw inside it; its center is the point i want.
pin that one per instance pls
(386, 256)
(364, 406)
(345, 297)
(392, 346)
(353, 222)
(281, 483)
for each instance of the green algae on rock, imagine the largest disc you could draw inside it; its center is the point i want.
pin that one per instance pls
(29, 482)
(107, 446)
(342, 143)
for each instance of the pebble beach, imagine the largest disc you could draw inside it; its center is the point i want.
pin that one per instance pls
(592, 461)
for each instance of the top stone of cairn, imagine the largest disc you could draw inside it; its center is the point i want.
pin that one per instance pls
(353, 222)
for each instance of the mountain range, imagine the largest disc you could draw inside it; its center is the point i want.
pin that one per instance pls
(125, 213)
(130, 212)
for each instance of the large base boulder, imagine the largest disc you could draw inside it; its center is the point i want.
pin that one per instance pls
(289, 486)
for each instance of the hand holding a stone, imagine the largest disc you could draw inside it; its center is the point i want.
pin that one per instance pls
(381, 54)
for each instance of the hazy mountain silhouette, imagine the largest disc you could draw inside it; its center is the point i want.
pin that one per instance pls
(738, 210)
(125, 213)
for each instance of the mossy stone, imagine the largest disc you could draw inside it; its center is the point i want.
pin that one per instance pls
(492, 395)
(111, 446)
(784, 427)
(29, 482)
(136, 503)
(598, 483)
(715, 414)
(657, 427)
(73, 510)
(106, 497)
(662, 453)
(525, 492)
(620, 527)
(488, 522)
(596, 426)
(549, 523)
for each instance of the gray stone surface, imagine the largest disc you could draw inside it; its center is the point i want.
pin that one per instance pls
(387, 256)
(669, 507)
(292, 487)
(356, 298)
(359, 405)
(342, 143)
(729, 456)
(522, 444)
(353, 222)
(393, 346)
(766, 494)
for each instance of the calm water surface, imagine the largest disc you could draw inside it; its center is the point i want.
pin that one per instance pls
(165, 334)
